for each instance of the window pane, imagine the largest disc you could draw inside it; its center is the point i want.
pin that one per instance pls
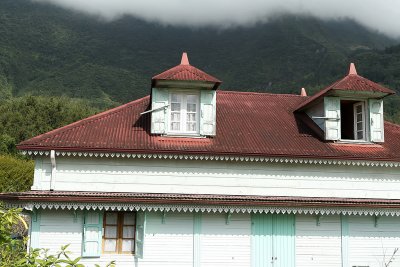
(129, 218)
(127, 245)
(191, 126)
(359, 109)
(360, 135)
(111, 218)
(359, 126)
(175, 98)
(128, 232)
(175, 107)
(191, 117)
(191, 107)
(175, 126)
(110, 232)
(110, 245)
(175, 116)
(359, 117)
(192, 98)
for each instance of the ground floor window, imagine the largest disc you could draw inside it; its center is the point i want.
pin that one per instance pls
(119, 232)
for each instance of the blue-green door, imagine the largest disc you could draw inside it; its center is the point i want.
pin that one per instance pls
(273, 240)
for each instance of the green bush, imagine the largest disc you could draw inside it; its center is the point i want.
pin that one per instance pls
(13, 252)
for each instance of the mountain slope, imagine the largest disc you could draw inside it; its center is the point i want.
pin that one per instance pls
(46, 50)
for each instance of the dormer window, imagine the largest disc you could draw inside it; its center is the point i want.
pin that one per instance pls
(349, 110)
(183, 102)
(353, 120)
(184, 113)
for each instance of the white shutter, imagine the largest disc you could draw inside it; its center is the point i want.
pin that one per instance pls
(332, 118)
(159, 117)
(208, 113)
(140, 233)
(376, 120)
(92, 233)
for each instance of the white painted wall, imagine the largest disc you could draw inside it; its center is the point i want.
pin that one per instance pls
(373, 246)
(225, 244)
(170, 243)
(318, 245)
(317, 111)
(217, 177)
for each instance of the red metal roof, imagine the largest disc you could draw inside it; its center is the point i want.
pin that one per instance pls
(248, 124)
(185, 72)
(351, 82)
(208, 199)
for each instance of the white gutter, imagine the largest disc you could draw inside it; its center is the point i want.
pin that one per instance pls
(53, 169)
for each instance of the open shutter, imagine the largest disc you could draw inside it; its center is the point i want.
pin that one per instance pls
(35, 229)
(160, 99)
(332, 118)
(208, 113)
(376, 120)
(140, 232)
(92, 233)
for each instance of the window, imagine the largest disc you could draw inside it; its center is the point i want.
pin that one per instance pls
(119, 232)
(184, 113)
(353, 120)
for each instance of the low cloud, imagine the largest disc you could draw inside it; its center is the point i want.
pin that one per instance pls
(383, 16)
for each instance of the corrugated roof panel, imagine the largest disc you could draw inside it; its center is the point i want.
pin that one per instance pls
(248, 124)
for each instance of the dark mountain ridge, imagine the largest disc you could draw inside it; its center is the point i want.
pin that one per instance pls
(47, 50)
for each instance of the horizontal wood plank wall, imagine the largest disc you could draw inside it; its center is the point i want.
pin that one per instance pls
(205, 177)
(168, 241)
(372, 242)
(318, 245)
(225, 244)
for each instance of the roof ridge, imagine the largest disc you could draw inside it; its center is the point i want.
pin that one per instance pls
(84, 121)
(257, 93)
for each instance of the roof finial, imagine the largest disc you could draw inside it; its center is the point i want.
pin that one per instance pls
(303, 92)
(352, 70)
(184, 60)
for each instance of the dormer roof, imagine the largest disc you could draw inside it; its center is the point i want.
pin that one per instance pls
(185, 72)
(351, 83)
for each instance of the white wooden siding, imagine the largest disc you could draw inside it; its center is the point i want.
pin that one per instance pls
(57, 228)
(225, 244)
(169, 243)
(372, 246)
(318, 245)
(206, 177)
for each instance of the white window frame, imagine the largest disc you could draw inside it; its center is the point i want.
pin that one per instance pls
(183, 113)
(363, 120)
(365, 110)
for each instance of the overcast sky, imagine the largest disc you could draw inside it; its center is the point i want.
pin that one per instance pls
(381, 15)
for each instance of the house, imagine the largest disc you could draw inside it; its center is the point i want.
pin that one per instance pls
(195, 176)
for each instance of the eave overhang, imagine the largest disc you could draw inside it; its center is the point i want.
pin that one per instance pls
(199, 202)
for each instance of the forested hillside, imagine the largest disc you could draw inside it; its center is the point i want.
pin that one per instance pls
(48, 52)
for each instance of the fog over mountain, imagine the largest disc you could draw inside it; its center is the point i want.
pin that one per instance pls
(383, 16)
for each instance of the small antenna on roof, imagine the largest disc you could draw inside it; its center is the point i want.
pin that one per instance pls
(185, 59)
(303, 92)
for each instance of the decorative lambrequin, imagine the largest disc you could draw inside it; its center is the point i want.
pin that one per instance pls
(203, 208)
(220, 158)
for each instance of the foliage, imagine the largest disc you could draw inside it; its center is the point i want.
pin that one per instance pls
(24, 117)
(15, 174)
(13, 252)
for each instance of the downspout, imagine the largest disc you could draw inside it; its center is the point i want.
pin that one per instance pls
(53, 169)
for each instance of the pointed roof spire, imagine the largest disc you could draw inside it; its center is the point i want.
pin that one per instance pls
(185, 59)
(303, 92)
(352, 69)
